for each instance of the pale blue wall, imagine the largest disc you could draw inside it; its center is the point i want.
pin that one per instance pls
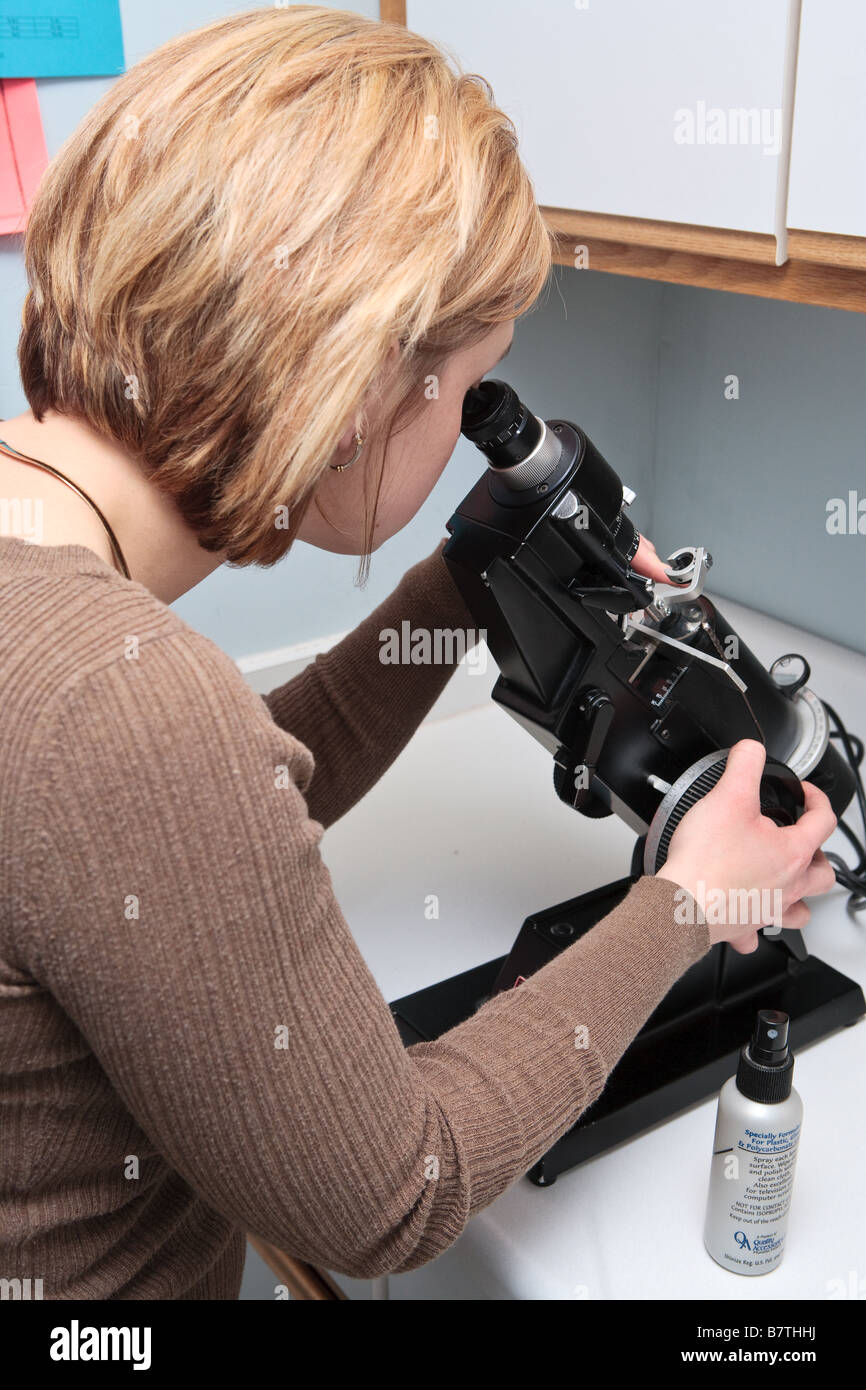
(751, 478)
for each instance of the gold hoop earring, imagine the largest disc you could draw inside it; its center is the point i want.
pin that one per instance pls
(341, 467)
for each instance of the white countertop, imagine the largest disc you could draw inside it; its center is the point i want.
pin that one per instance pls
(468, 812)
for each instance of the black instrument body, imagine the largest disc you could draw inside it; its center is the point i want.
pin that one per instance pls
(639, 715)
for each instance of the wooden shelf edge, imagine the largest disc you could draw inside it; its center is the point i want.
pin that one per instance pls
(662, 236)
(799, 280)
(826, 248)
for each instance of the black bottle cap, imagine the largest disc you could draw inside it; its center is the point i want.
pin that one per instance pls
(766, 1068)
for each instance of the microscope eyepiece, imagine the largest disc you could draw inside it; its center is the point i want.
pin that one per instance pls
(499, 424)
(516, 444)
(479, 404)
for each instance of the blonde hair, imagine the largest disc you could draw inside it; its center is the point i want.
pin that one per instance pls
(222, 253)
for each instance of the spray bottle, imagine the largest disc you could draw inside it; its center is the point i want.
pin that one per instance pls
(754, 1153)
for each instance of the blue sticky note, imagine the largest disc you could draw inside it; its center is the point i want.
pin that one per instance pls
(61, 38)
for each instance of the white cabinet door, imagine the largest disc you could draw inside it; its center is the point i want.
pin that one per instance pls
(828, 153)
(673, 110)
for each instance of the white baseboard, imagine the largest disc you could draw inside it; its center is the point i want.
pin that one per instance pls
(265, 670)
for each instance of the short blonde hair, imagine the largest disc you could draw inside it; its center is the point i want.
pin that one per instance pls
(222, 253)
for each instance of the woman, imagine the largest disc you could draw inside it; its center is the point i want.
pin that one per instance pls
(263, 273)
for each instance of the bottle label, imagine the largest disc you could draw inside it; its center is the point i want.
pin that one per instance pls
(750, 1196)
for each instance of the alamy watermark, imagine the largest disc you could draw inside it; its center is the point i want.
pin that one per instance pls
(846, 516)
(739, 125)
(77, 1343)
(20, 1290)
(436, 646)
(21, 517)
(747, 907)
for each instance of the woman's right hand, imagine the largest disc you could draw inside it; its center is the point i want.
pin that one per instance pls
(724, 842)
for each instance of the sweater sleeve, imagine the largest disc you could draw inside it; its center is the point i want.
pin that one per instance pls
(177, 906)
(356, 712)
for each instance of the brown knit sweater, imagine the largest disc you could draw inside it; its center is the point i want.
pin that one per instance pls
(191, 1045)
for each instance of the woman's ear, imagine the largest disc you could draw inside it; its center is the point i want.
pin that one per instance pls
(347, 439)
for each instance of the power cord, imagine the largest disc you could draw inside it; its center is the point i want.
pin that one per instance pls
(854, 879)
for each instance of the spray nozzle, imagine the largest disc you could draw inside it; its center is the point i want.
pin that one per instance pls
(769, 1044)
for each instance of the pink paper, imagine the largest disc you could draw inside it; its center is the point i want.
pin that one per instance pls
(23, 156)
